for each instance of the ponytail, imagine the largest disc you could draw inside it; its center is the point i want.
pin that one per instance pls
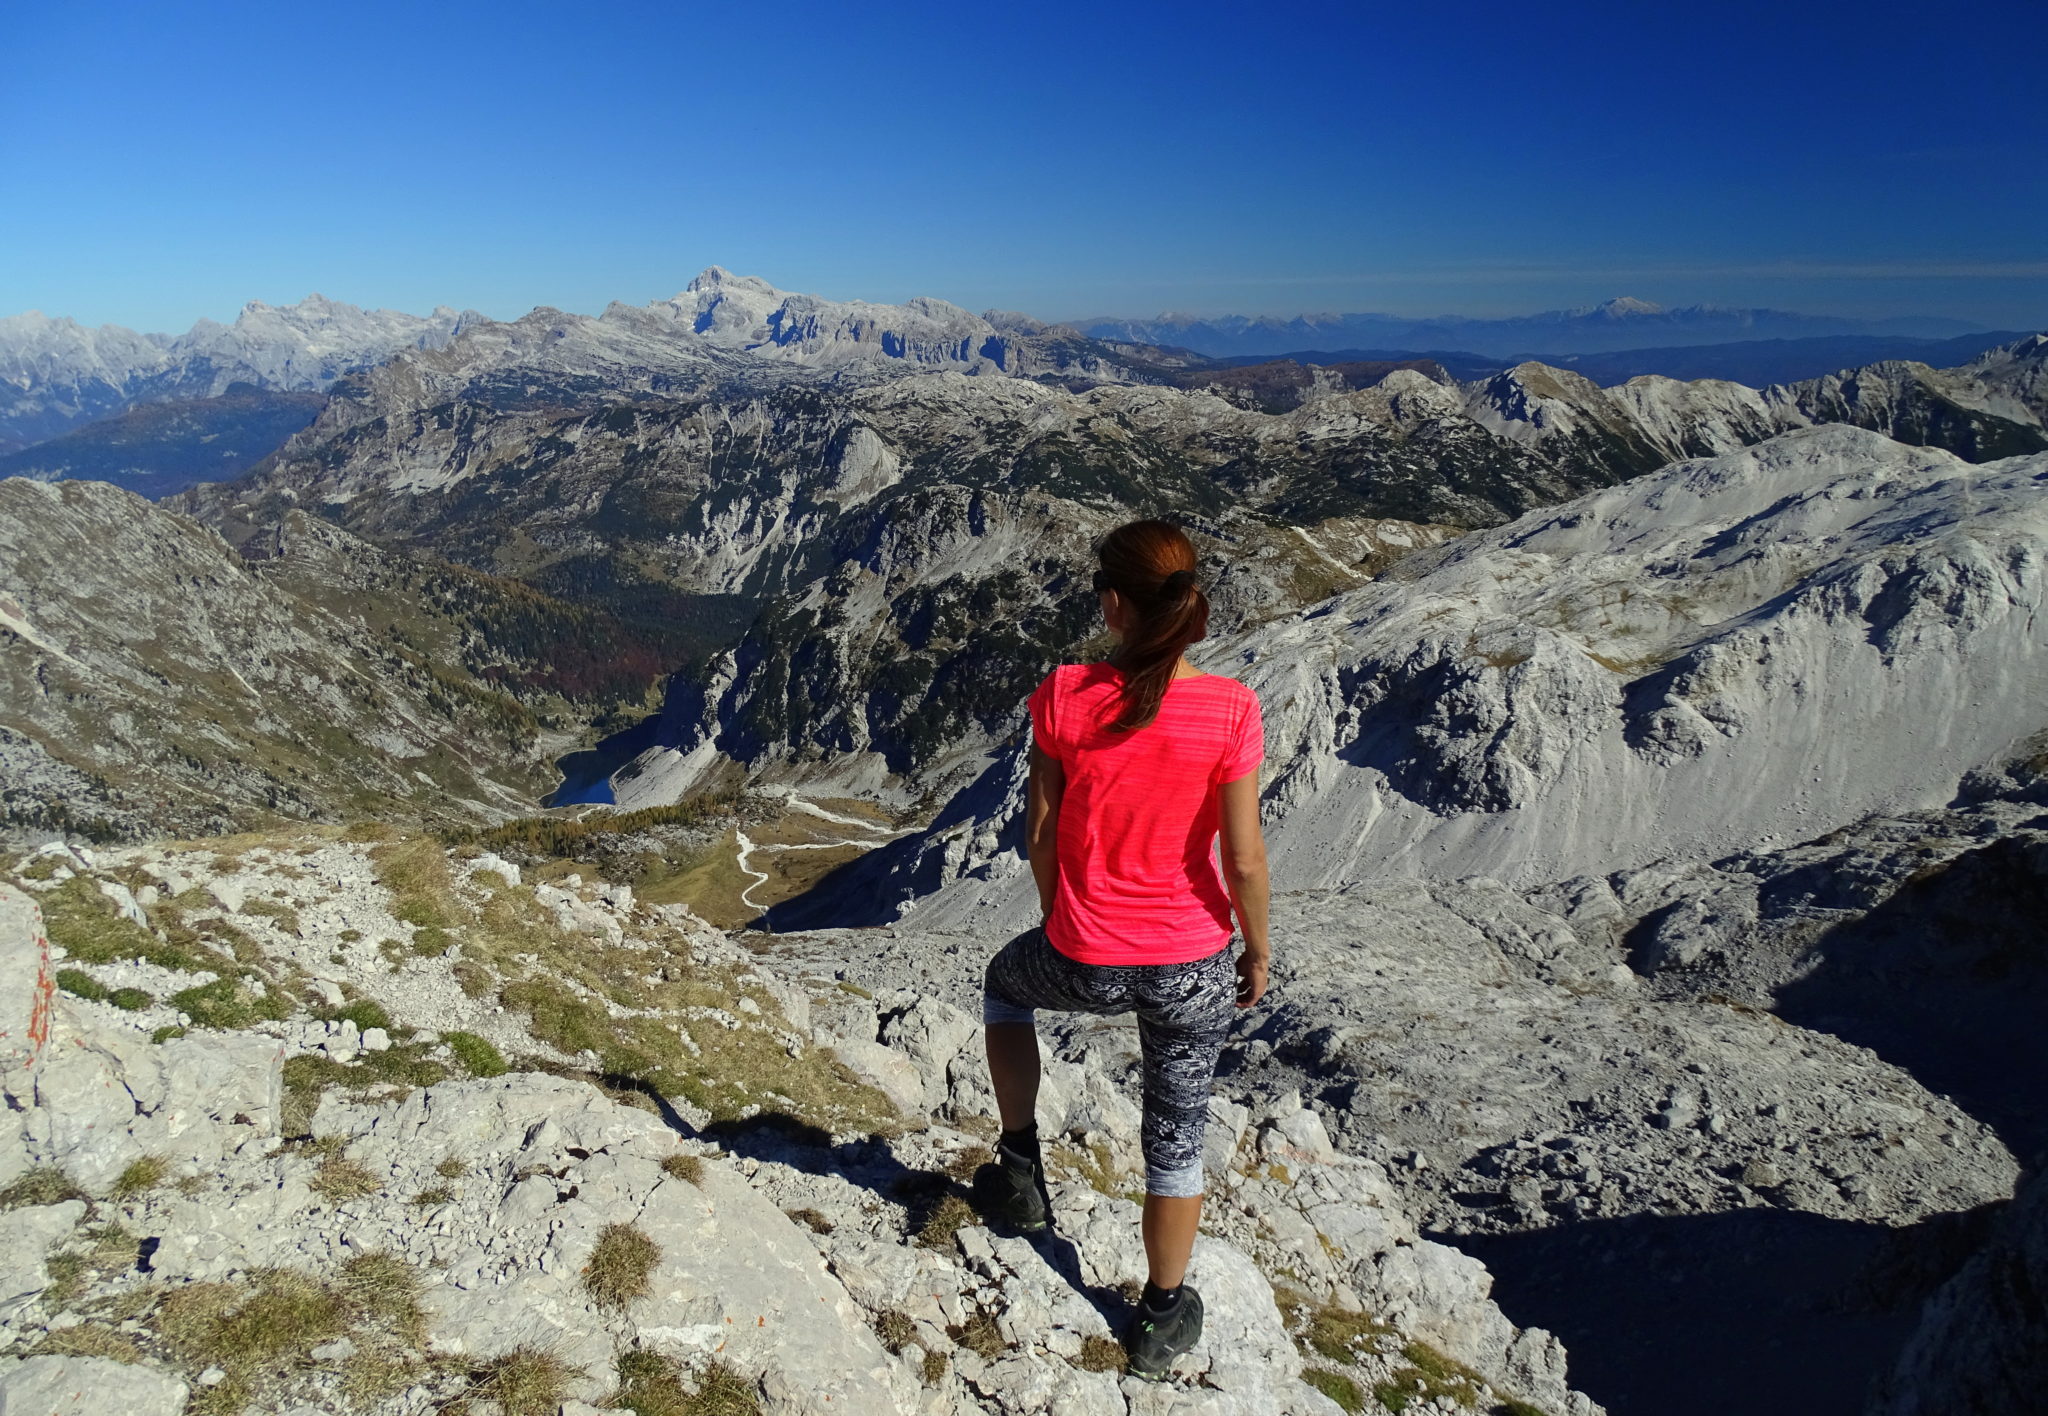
(1152, 565)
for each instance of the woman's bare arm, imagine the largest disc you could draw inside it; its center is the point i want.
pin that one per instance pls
(1244, 872)
(1042, 822)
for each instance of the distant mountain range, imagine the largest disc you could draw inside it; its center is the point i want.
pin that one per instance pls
(158, 412)
(1624, 323)
(56, 374)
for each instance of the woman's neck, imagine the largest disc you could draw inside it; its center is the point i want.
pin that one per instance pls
(1181, 668)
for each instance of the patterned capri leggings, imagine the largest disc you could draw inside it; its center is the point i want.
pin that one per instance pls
(1184, 1012)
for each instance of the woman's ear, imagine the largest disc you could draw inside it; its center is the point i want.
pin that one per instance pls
(1112, 609)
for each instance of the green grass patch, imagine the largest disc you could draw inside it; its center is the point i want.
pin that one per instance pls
(80, 984)
(1429, 1374)
(228, 1004)
(511, 944)
(1338, 1387)
(169, 1032)
(386, 1288)
(479, 1056)
(1332, 1333)
(365, 1013)
(263, 1329)
(253, 1331)
(387, 1075)
(68, 1273)
(130, 1000)
(287, 918)
(93, 931)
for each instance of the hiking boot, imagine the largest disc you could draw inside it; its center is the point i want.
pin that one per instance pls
(1153, 1344)
(1012, 1195)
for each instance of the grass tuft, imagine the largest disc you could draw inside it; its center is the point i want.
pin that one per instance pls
(44, 1185)
(948, 1218)
(142, 1176)
(684, 1167)
(451, 1168)
(525, 1382)
(386, 1288)
(68, 1273)
(620, 1265)
(651, 1384)
(895, 1329)
(253, 1331)
(340, 1179)
(979, 1335)
(811, 1219)
(1102, 1354)
(88, 1340)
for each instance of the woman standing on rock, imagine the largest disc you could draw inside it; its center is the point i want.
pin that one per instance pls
(1137, 763)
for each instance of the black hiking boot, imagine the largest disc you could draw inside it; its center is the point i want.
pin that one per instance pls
(1011, 1195)
(1152, 1344)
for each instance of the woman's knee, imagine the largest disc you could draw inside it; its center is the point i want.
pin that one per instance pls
(996, 1009)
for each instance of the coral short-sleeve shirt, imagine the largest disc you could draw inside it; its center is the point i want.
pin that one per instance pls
(1139, 881)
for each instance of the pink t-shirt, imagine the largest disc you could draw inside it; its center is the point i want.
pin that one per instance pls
(1138, 877)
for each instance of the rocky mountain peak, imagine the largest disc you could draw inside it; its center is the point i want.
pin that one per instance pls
(1622, 306)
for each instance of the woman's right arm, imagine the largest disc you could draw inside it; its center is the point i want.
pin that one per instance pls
(1244, 873)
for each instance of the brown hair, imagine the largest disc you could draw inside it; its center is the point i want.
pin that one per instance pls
(1152, 565)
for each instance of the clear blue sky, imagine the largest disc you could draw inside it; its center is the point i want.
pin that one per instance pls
(160, 162)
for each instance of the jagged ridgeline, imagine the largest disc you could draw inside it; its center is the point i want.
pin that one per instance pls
(844, 536)
(904, 547)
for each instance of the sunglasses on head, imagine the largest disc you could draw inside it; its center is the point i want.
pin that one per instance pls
(1102, 580)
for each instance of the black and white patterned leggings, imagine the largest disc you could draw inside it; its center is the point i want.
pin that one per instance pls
(1184, 1012)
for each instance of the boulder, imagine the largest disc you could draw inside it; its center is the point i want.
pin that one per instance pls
(88, 1386)
(26, 1237)
(106, 1096)
(888, 1071)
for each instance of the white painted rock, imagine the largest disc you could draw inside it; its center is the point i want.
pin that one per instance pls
(27, 989)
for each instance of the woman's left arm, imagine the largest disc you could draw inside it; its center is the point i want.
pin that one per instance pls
(1041, 823)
